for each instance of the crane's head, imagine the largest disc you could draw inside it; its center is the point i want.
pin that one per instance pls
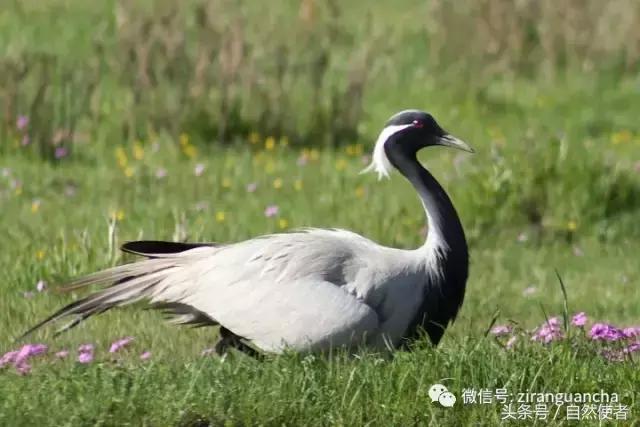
(404, 134)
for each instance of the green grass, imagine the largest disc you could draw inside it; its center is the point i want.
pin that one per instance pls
(554, 185)
(69, 235)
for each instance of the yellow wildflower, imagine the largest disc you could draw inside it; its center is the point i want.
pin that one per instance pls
(314, 154)
(138, 151)
(226, 183)
(351, 150)
(360, 192)
(40, 254)
(121, 157)
(297, 184)
(184, 139)
(277, 183)
(621, 137)
(190, 151)
(283, 223)
(18, 191)
(35, 206)
(220, 216)
(128, 171)
(117, 215)
(572, 225)
(270, 143)
(341, 164)
(120, 152)
(254, 137)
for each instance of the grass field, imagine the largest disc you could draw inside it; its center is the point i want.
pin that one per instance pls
(554, 186)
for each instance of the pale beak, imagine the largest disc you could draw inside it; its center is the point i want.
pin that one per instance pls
(452, 141)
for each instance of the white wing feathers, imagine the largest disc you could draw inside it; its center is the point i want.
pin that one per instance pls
(305, 290)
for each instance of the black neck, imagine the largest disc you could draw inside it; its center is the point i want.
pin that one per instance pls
(445, 255)
(444, 228)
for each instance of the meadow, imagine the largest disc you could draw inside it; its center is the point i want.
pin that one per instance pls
(120, 128)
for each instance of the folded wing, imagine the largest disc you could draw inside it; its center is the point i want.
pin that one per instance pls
(285, 290)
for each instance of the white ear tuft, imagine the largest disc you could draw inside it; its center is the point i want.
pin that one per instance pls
(379, 161)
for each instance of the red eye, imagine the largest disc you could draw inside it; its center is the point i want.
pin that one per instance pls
(417, 124)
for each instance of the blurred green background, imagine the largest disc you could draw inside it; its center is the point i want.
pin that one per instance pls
(547, 92)
(187, 120)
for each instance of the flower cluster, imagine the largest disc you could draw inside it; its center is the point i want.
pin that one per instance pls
(548, 331)
(20, 359)
(625, 340)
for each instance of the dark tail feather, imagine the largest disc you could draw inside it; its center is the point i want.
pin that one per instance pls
(154, 248)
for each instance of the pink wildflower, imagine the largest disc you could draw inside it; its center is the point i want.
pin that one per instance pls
(271, 210)
(199, 169)
(145, 356)
(85, 357)
(631, 332)
(117, 345)
(22, 122)
(161, 173)
(500, 330)
(85, 353)
(62, 354)
(620, 355)
(632, 348)
(548, 331)
(60, 152)
(8, 358)
(579, 319)
(29, 350)
(252, 187)
(41, 286)
(86, 348)
(511, 342)
(605, 332)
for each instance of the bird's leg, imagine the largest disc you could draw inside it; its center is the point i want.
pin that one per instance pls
(249, 351)
(229, 339)
(224, 341)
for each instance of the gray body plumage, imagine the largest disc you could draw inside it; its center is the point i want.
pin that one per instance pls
(309, 290)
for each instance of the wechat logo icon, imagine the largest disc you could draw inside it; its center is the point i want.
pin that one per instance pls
(439, 393)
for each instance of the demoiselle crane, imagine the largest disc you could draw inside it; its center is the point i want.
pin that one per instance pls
(307, 290)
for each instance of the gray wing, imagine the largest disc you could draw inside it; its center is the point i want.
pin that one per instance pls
(305, 290)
